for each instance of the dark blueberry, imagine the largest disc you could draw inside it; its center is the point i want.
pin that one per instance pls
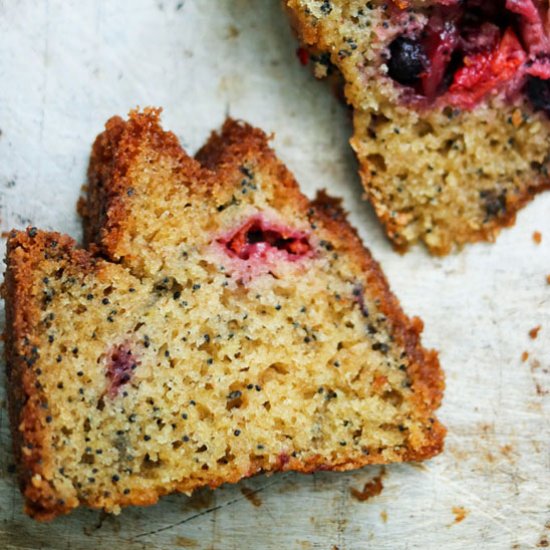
(538, 92)
(407, 62)
(493, 202)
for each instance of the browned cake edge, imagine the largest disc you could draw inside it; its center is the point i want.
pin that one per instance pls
(488, 233)
(310, 39)
(112, 154)
(27, 403)
(27, 249)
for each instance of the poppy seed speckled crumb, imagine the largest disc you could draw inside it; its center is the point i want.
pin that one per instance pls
(136, 396)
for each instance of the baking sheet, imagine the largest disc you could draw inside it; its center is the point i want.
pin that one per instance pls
(67, 66)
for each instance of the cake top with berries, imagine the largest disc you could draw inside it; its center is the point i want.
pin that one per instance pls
(451, 107)
(218, 325)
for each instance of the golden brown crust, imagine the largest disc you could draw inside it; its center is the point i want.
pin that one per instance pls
(239, 144)
(425, 372)
(28, 404)
(104, 210)
(234, 144)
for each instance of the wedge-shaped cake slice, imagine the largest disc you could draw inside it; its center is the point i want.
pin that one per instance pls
(218, 325)
(451, 103)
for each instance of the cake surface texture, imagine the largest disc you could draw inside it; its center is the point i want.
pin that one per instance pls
(218, 324)
(451, 106)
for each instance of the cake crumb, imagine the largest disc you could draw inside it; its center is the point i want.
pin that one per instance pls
(460, 513)
(534, 332)
(384, 516)
(507, 450)
(232, 32)
(548, 279)
(524, 356)
(371, 489)
(537, 237)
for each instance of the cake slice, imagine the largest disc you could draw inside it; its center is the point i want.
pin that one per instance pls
(218, 325)
(451, 102)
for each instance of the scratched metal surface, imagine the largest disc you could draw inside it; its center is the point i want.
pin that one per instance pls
(66, 66)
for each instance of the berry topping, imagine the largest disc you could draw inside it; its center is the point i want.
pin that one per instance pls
(440, 42)
(533, 22)
(470, 48)
(407, 62)
(485, 71)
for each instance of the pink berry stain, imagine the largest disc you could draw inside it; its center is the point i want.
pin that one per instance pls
(121, 363)
(259, 244)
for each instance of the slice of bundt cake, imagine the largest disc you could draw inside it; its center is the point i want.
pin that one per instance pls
(218, 325)
(451, 102)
